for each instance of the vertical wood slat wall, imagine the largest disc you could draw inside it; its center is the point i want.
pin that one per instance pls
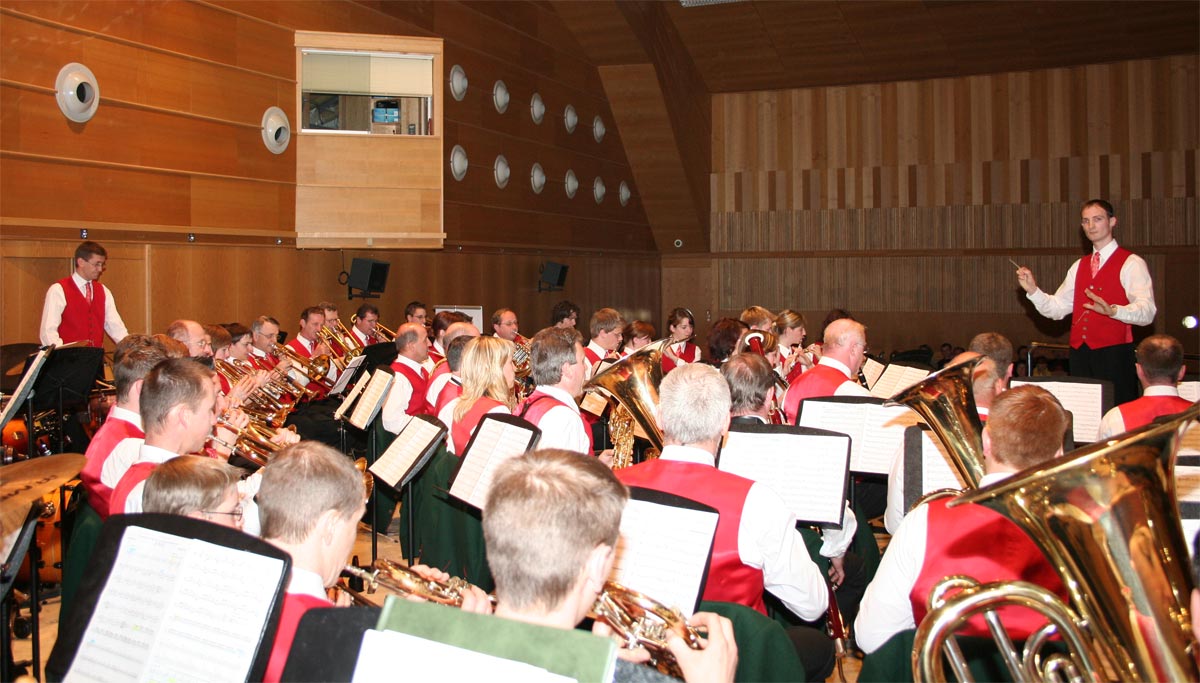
(908, 196)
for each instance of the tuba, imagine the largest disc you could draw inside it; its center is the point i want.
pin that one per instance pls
(945, 400)
(633, 382)
(641, 621)
(1106, 517)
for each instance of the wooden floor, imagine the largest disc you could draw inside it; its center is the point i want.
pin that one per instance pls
(387, 547)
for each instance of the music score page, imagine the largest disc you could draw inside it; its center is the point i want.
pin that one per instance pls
(494, 443)
(662, 552)
(897, 378)
(1084, 400)
(404, 454)
(808, 471)
(876, 432)
(371, 399)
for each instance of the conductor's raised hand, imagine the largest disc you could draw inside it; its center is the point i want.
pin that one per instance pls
(1026, 280)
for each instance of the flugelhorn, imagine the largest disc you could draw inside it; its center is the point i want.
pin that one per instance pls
(315, 369)
(402, 581)
(1106, 518)
(641, 621)
(946, 401)
(384, 333)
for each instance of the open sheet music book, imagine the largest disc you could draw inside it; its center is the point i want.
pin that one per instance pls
(1087, 399)
(872, 370)
(170, 611)
(896, 378)
(808, 468)
(876, 433)
(1190, 390)
(353, 394)
(497, 439)
(33, 367)
(345, 376)
(664, 547)
(927, 465)
(409, 452)
(372, 397)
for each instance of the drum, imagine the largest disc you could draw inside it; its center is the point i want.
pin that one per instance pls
(48, 538)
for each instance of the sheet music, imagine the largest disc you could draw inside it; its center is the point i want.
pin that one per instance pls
(937, 469)
(430, 660)
(354, 392)
(1084, 400)
(1190, 443)
(406, 450)
(345, 375)
(897, 378)
(18, 397)
(594, 403)
(494, 443)
(1190, 390)
(166, 614)
(807, 470)
(662, 552)
(871, 370)
(876, 433)
(372, 399)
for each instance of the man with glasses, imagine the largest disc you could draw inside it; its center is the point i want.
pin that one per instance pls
(264, 334)
(504, 324)
(844, 351)
(197, 487)
(80, 309)
(191, 334)
(365, 320)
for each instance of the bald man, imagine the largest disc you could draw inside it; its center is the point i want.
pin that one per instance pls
(844, 351)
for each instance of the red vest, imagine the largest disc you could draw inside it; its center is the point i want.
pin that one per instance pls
(592, 356)
(1142, 411)
(462, 430)
(821, 380)
(266, 362)
(449, 392)
(112, 432)
(320, 389)
(417, 403)
(294, 607)
(436, 357)
(82, 321)
(1091, 328)
(729, 580)
(136, 474)
(538, 404)
(973, 540)
(690, 353)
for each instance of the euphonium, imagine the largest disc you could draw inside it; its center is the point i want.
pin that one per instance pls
(402, 581)
(946, 401)
(644, 622)
(633, 382)
(1106, 518)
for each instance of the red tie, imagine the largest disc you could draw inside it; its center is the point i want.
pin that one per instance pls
(424, 373)
(89, 292)
(1095, 263)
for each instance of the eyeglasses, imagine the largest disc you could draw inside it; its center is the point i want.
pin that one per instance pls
(236, 513)
(200, 344)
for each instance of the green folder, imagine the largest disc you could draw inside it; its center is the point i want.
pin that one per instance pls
(578, 654)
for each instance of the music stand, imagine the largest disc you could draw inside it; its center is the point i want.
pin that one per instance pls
(381, 354)
(8, 577)
(327, 642)
(68, 376)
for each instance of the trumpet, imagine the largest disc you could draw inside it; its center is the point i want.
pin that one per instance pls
(315, 369)
(384, 333)
(252, 442)
(642, 621)
(402, 581)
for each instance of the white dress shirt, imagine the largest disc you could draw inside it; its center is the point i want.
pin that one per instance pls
(561, 426)
(886, 608)
(123, 455)
(147, 453)
(768, 540)
(395, 407)
(309, 345)
(56, 303)
(119, 413)
(1113, 422)
(436, 384)
(1135, 278)
(304, 582)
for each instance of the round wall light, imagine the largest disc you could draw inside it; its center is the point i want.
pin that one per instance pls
(537, 178)
(500, 96)
(501, 171)
(598, 189)
(570, 184)
(537, 108)
(458, 82)
(598, 130)
(570, 118)
(276, 131)
(458, 162)
(77, 92)
(623, 193)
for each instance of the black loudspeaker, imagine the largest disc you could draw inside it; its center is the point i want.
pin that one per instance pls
(554, 276)
(368, 277)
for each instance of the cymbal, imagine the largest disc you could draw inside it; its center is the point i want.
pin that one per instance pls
(24, 482)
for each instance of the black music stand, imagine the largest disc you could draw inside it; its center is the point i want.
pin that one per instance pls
(8, 576)
(67, 377)
(381, 354)
(327, 642)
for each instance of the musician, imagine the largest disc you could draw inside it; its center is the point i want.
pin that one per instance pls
(757, 318)
(504, 325)
(722, 340)
(135, 356)
(987, 382)
(76, 309)
(407, 394)
(365, 320)
(789, 327)
(307, 344)
(264, 336)
(1025, 428)
(444, 382)
(999, 349)
(330, 310)
(757, 545)
(240, 343)
(636, 335)
(605, 326)
(564, 314)
(487, 378)
(191, 334)
(197, 487)
(559, 368)
(843, 353)
(682, 327)
(310, 501)
(551, 555)
(442, 320)
(1159, 369)
(414, 312)
(1105, 296)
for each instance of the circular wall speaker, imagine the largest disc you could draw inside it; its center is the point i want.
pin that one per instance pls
(598, 189)
(458, 162)
(598, 130)
(623, 193)
(276, 131)
(77, 92)
(537, 178)
(537, 108)
(570, 184)
(458, 82)
(501, 171)
(500, 96)
(570, 118)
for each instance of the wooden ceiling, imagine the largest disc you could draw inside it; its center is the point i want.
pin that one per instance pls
(775, 44)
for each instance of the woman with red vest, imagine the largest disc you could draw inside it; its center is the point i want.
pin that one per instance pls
(80, 309)
(793, 358)
(1105, 297)
(487, 377)
(682, 327)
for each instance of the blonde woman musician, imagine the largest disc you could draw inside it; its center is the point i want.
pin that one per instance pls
(681, 325)
(794, 358)
(487, 374)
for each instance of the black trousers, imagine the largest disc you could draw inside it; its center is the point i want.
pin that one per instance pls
(1113, 363)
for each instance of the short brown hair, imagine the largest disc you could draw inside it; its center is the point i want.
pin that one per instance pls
(995, 346)
(306, 480)
(1161, 357)
(1026, 426)
(135, 355)
(550, 350)
(749, 377)
(546, 511)
(638, 328)
(757, 315)
(173, 347)
(86, 250)
(605, 320)
(310, 312)
(219, 337)
(187, 484)
(175, 381)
